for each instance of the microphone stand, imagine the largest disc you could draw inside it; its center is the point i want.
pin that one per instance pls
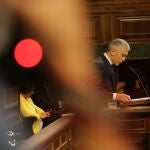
(145, 80)
(145, 90)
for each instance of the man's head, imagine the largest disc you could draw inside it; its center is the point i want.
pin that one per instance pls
(118, 50)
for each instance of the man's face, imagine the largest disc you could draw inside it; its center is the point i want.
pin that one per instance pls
(119, 55)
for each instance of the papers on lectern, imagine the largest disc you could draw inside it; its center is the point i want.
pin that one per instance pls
(140, 99)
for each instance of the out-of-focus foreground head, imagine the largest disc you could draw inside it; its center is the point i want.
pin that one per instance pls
(62, 29)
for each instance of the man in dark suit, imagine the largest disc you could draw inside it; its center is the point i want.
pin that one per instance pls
(107, 68)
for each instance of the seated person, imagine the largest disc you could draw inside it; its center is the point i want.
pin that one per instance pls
(29, 109)
(42, 97)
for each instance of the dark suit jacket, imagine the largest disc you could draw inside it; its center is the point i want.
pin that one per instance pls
(107, 72)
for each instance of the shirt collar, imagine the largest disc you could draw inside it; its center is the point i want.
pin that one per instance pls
(108, 59)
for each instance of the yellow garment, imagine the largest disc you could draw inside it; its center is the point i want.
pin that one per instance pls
(29, 109)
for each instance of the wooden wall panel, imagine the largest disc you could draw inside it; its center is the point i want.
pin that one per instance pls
(125, 19)
(107, 28)
(95, 29)
(132, 9)
(117, 2)
(101, 27)
(133, 28)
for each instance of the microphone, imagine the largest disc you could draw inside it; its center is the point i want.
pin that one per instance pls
(135, 72)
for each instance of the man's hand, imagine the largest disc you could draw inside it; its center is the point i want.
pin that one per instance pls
(123, 98)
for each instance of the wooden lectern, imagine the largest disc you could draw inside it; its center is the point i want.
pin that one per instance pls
(135, 121)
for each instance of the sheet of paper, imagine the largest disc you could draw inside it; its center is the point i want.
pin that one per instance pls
(140, 99)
